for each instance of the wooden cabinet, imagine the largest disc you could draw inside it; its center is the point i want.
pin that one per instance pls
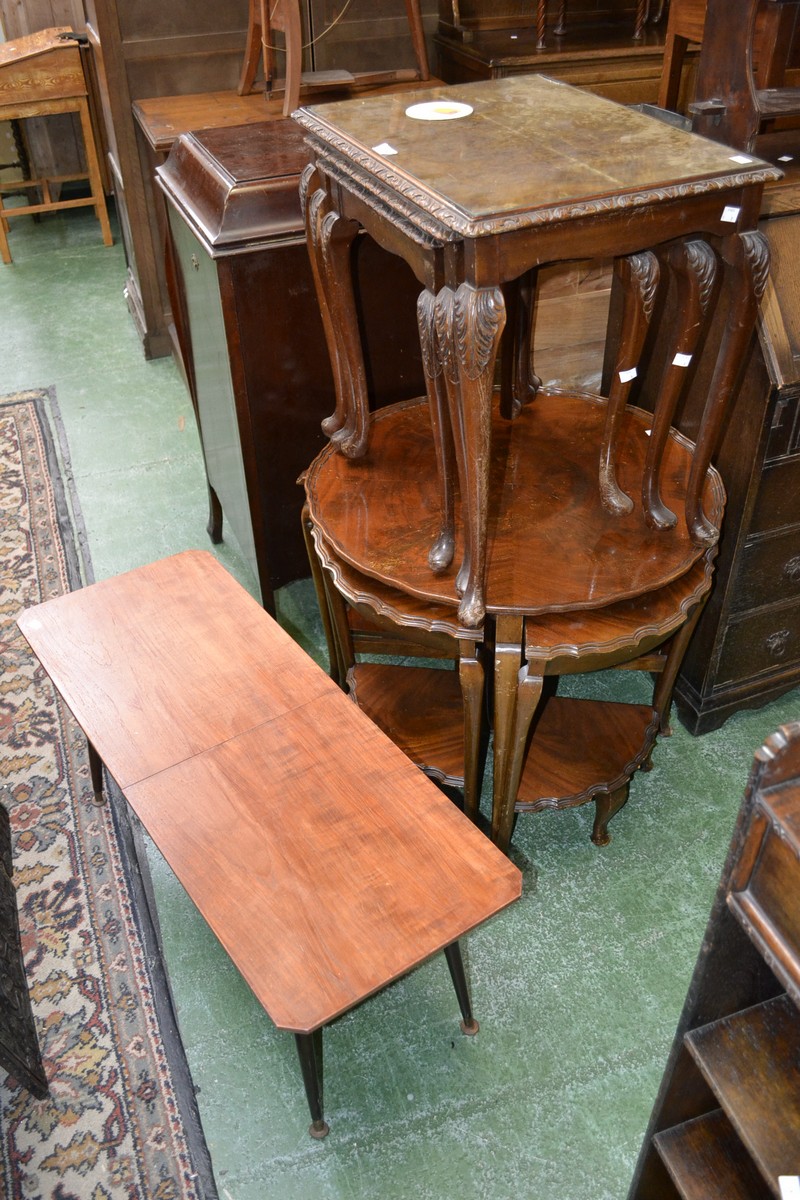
(726, 1123)
(258, 362)
(597, 51)
(746, 649)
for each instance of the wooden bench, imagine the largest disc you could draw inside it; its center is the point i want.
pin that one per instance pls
(323, 860)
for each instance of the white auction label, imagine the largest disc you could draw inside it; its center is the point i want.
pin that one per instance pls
(790, 1187)
(740, 158)
(438, 110)
(627, 376)
(730, 214)
(681, 360)
(786, 158)
(385, 149)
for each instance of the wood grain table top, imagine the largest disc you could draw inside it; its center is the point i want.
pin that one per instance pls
(323, 860)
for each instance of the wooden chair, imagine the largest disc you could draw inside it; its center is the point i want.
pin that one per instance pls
(686, 26)
(42, 75)
(267, 17)
(732, 101)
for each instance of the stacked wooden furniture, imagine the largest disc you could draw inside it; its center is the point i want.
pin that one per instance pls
(512, 526)
(326, 864)
(42, 75)
(726, 1122)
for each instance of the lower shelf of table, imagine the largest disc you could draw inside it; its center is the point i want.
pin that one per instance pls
(578, 748)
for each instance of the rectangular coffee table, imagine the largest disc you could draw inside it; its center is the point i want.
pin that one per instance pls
(323, 860)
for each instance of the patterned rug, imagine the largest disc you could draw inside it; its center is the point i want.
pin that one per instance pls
(120, 1120)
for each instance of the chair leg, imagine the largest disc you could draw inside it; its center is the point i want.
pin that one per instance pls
(5, 253)
(293, 31)
(252, 50)
(95, 178)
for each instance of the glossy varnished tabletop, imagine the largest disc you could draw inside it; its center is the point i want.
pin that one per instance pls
(323, 860)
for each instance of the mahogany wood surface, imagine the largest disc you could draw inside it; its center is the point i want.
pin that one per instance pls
(420, 709)
(323, 860)
(548, 752)
(381, 512)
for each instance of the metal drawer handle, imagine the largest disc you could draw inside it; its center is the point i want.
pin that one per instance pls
(791, 568)
(777, 642)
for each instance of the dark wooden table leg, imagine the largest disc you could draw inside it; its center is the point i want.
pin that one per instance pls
(476, 321)
(456, 964)
(309, 1050)
(96, 770)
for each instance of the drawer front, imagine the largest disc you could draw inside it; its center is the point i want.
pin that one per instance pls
(762, 642)
(769, 572)
(778, 502)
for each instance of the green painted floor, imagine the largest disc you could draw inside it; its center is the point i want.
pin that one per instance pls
(577, 988)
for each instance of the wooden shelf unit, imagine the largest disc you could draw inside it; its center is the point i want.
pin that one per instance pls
(726, 1122)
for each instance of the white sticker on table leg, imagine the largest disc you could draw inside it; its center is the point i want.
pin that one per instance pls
(681, 360)
(627, 376)
(730, 214)
(790, 1187)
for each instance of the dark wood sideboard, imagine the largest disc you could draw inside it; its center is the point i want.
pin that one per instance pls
(259, 369)
(726, 1123)
(596, 51)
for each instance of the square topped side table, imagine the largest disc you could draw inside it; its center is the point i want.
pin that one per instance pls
(477, 186)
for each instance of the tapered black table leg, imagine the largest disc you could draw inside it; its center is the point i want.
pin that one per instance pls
(96, 770)
(309, 1049)
(454, 961)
